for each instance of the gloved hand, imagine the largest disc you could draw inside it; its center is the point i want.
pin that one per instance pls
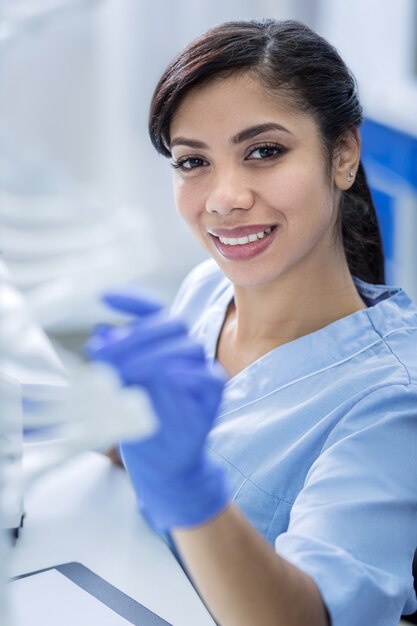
(178, 484)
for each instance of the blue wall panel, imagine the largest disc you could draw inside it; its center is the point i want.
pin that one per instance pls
(385, 208)
(392, 149)
(390, 160)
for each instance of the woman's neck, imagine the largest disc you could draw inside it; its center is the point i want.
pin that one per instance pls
(263, 318)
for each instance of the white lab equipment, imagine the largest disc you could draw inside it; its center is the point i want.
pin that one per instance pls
(5, 611)
(26, 354)
(28, 367)
(65, 411)
(5, 617)
(10, 479)
(11, 442)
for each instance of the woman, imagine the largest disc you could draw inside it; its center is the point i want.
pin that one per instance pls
(294, 501)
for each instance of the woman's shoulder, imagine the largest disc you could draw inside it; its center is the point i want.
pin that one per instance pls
(393, 316)
(201, 288)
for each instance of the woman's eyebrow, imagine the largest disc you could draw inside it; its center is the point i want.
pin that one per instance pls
(192, 143)
(243, 135)
(252, 131)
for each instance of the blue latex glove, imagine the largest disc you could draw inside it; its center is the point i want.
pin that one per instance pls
(173, 477)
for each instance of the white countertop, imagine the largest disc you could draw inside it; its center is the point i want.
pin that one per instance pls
(85, 511)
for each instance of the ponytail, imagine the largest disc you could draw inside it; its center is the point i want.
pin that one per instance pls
(360, 232)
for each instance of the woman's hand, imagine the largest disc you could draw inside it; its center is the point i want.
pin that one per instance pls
(172, 475)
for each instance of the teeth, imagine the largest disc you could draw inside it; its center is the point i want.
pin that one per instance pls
(241, 241)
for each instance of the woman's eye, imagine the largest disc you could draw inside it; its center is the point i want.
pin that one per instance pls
(189, 163)
(265, 152)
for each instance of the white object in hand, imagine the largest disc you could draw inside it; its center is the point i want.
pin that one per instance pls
(95, 413)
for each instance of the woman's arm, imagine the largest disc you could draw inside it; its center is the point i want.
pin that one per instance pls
(242, 580)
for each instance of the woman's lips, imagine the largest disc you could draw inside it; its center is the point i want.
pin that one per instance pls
(244, 242)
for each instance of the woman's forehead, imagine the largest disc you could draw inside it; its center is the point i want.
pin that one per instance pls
(232, 102)
(228, 85)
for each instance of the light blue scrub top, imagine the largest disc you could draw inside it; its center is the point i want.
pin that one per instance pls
(319, 441)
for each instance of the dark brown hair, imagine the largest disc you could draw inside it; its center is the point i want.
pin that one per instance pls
(290, 57)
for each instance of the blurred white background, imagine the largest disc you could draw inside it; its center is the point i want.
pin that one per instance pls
(85, 202)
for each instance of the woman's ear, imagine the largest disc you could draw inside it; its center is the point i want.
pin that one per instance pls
(347, 160)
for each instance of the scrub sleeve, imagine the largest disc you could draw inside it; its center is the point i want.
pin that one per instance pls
(352, 525)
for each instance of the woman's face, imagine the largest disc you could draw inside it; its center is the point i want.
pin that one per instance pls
(251, 180)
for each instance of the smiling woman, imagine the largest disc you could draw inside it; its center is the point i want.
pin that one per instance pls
(293, 500)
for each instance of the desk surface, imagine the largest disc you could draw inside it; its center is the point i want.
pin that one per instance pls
(85, 511)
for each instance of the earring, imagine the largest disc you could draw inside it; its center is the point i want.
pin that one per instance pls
(351, 176)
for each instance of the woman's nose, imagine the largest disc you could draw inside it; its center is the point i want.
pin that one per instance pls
(229, 192)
